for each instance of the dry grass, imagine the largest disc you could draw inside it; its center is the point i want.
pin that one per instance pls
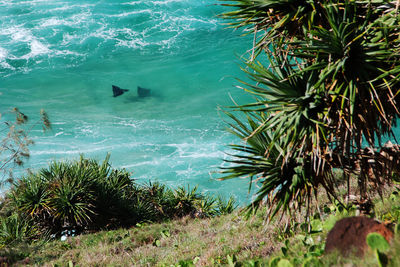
(205, 241)
(209, 242)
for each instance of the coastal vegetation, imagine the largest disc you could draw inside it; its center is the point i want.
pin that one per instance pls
(14, 146)
(325, 77)
(84, 196)
(227, 240)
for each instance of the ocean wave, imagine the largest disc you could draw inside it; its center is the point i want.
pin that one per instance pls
(155, 3)
(37, 48)
(73, 31)
(3, 57)
(131, 13)
(28, 47)
(66, 7)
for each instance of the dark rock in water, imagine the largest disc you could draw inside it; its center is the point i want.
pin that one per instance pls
(349, 235)
(118, 91)
(143, 92)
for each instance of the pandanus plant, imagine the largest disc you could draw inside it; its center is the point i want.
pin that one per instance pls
(329, 91)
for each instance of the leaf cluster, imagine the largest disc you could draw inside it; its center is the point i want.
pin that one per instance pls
(324, 99)
(74, 197)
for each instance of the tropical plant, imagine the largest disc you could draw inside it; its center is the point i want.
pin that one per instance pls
(379, 245)
(80, 196)
(327, 98)
(15, 229)
(226, 206)
(186, 200)
(160, 197)
(73, 195)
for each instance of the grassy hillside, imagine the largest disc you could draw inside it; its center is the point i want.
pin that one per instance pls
(130, 224)
(224, 240)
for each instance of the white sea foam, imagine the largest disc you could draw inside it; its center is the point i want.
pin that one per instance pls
(50, 35)
(70, 38)
(154, 3)
(162, 31)
(59, 133)
(67, 53)
(73, 6)
(125, 14)
(81, 19)
(189, 172)
(70, 148)
(52, 22)
(3, 53)
(77, 151)
(3, 57)
(19, 34)
(125, 123)
(141, 163)
(37, 48)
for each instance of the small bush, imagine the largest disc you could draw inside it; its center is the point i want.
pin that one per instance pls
(86, 196)
(15, 229)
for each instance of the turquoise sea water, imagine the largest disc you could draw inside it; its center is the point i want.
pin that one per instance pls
(64, 56)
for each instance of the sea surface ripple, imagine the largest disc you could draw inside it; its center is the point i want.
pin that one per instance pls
(64, 56)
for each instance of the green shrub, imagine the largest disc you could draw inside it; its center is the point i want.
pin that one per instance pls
(72, 195)
(15, 229)
(84, 195)
(379, 245)
(325, 79)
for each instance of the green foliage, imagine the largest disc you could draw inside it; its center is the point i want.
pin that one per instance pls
(14, 229)
(227, 240)
(226, 207)
(186, 199)
(377, 242)
(389, 208)
(284, 263)
(382, 258)
(379, 245)
(312, 262)
(328, 95)
(70, 195)
(69, 198)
